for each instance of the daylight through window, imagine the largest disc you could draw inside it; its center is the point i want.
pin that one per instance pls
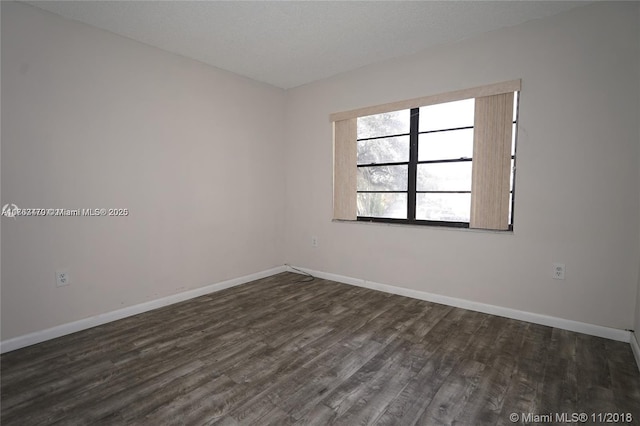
(445, 160)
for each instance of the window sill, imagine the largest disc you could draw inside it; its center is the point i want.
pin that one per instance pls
(425, 227)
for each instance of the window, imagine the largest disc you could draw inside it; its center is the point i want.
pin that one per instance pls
(440, 160)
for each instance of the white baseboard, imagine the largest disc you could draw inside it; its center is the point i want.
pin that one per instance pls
(83, 324)
(565, 324)
(635, 347)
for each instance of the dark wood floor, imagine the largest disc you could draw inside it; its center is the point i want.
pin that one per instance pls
(278, 351)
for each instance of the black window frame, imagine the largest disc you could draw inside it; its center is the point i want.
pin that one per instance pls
(412, 164)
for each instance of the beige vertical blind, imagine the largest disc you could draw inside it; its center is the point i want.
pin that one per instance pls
(345, 171)
(491, 162)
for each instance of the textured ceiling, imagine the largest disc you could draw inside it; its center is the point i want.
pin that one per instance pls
(288, 44)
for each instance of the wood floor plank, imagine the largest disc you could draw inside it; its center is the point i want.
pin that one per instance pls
(392, 355)
(59, 402)
(624, 378)
(308, 390)
(595, 392)
(525, 385)
(119, 402)
(559, 382)
(287, 350)
(448, 402)
(377, 393)
(484, 405)
(319, 415)
(204, 403)
(274, 387)
(444, 346)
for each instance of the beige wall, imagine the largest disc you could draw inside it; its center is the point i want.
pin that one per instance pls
(577, 179)
(91, 119)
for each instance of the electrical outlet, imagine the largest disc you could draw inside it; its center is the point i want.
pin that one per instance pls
(62, 278)
(314, 241)
(558, 271)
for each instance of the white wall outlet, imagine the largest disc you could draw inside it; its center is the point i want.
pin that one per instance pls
(314, 241)
(62, 278)
(558, 271)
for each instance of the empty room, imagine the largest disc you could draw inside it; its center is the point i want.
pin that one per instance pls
(314, 213)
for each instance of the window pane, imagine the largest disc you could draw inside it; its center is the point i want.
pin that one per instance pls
(444, 177)
(445, 145)
(448, 207)
(390, 205)
(511, 178)
(447, 116)
(382, 178)
(388, 123)
(511, 208)
(515, 127)
(387, 150)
